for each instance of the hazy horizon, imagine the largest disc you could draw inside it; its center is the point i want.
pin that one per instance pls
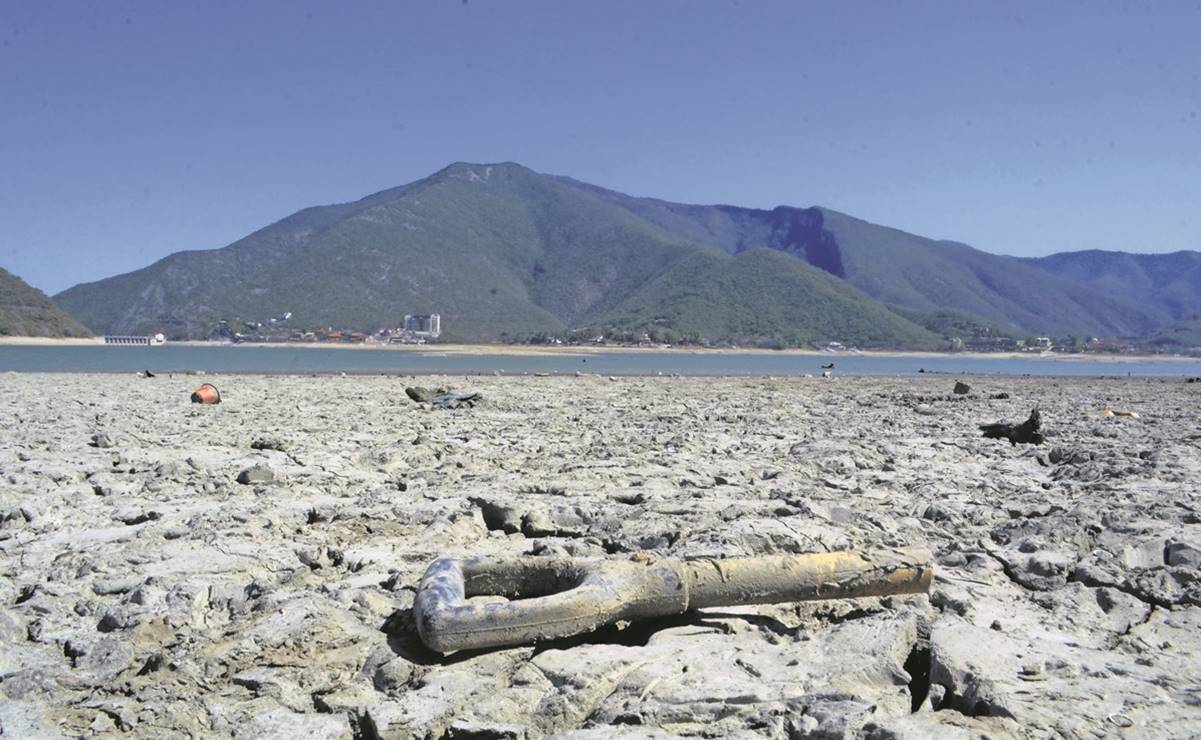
(138, 130)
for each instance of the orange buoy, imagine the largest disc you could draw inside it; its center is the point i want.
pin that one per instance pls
(206, 393)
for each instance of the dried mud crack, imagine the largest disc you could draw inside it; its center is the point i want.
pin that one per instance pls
(247, 569)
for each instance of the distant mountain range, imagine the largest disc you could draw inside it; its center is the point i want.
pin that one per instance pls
(25, 311)
(1167, 284)
(503, 252)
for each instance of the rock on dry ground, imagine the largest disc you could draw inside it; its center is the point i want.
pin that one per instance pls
(247, 569)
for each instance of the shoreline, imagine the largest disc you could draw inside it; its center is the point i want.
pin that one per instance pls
(568, 351)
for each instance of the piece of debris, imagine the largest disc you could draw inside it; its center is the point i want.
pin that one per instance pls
(962, 388)
(1025, 433)
(999, 396)
(924, 409)
(419, 394)
(145, 374)
(269, 443)
(206, 394)
(131, 515)
(1107, 411)
(578, 596)
(828, 366)
(827, 374)
(102, 441)
(452, 400)
(256, 474)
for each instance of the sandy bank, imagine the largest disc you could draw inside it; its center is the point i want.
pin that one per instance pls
(535, 350)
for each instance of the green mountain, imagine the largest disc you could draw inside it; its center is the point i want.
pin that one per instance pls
(503, 252)
(924, 277)
(1169, 284)
(500, 252)
(25, 311)
(762, 294)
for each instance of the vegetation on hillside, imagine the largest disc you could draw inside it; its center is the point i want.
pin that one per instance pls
(951, 324)
(906, 270)
(759, 297)
(25, 311)
(499, 251)
(1184, 334)
(502, 252)
(1169, 284)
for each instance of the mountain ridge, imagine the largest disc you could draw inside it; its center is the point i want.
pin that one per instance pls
(503, 252)
(1169, 282)
(803, 232)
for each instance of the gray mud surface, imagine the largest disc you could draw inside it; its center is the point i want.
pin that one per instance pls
(247, 569)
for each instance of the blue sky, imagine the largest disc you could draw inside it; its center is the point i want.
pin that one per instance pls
(132, 130)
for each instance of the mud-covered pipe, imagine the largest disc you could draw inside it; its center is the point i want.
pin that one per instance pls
(558, 597)
(554, 598)
(828, 575)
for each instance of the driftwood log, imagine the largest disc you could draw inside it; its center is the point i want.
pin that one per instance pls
(1025, 433)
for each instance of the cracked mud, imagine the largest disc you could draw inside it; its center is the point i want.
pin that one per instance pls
(247, 569)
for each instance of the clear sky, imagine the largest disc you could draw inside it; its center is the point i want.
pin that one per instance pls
(132, 130)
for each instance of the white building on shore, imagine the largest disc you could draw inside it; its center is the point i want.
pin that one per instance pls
(424, 324)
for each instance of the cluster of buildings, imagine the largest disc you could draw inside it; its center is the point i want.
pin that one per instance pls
(252, 331)
(999, 343)
(1041, 345)
(417, 329)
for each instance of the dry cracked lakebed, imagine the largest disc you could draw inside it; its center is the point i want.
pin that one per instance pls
(248, 569)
